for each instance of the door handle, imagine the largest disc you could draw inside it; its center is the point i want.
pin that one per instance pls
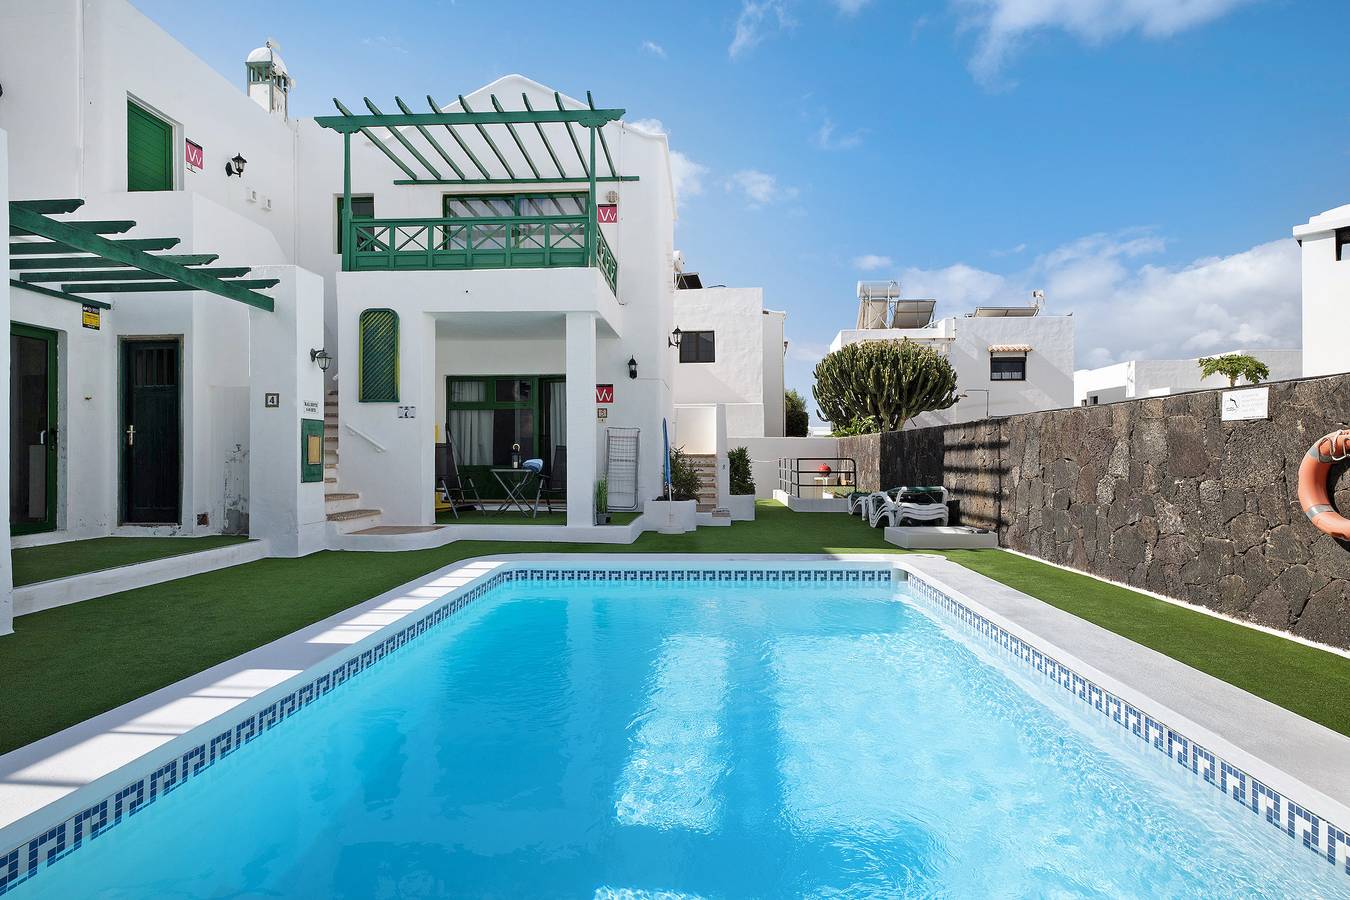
(131, 435)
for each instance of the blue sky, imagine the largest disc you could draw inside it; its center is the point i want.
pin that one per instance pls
(1141, 162)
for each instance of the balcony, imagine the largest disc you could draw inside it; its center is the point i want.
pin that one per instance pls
(508, 242)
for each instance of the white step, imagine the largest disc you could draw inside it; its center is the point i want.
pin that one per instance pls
(353, 520)
(341, 501)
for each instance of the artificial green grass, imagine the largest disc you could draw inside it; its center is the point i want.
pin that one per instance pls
(515, 517)
(33, 564)
(67, 664)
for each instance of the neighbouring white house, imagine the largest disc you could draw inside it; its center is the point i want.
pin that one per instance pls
(1008, 359)
(1325, 242)
(226, 319)
(1160, 377)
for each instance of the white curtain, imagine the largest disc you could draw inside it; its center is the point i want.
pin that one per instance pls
(557, 417)
(470, 429)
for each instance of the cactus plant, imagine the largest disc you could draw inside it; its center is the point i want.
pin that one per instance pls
(888, 381)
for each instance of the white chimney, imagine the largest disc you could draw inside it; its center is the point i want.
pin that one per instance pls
(269, 83)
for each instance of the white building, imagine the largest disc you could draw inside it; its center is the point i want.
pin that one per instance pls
(1008, 359)
(1160, 377)
(1325, 240)
(505, 276)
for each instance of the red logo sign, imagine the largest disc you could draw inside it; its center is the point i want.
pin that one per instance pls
(607, 213)
(193, 155)
(604, 393)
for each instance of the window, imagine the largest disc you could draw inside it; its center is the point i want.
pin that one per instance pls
(472, 206)
(363, 207)
(377, 376)
(1342, 242)
(1008, 368)
(149, 150)
(486, 416)
(697, 347)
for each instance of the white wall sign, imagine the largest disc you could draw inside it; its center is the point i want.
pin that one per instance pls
(1252, 403)
(407, 412)
(311, 407)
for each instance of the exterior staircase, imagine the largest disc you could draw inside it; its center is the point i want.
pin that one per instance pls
(709, 513)
(343, 507)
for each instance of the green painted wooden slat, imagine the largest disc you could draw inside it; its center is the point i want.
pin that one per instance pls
(377, 356)
(464, 105)
(97, 262)
(586, 117)
(604, 144)
(539, 126)
(379, 144)
(576, 145)
(62, 295)
(518, 181)
(37, 248)
(108, 227)
(126, 252)
(149, 151)
(459, 140)
(407, 145)
(529, 160)
(49, 207)
(422, 130)
(123, 274)
(145, 287)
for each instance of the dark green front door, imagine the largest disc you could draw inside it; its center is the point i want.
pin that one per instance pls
(32, 429)
(151, 433)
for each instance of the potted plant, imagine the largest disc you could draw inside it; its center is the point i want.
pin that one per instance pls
(742, 499)
(676, 510)
(602, 502)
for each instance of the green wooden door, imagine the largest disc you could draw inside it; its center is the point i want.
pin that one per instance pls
(149, 151)
(32, 429)
(152, 456)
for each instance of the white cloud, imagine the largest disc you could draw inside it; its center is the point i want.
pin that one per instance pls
(654, 49)
(1126, 307)
(1003, 25)
(826, 138)
(760, 188)
(850, 7)
(757, 19)
(870, 262)
(685, 174)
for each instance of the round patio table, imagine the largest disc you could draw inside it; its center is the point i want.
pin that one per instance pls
(514, 481)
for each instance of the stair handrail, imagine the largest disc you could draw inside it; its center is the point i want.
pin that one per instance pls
(361, 434)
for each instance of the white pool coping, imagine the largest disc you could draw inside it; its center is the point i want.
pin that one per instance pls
(57, 776)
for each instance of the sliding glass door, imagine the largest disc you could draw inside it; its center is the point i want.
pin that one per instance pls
(488, 416)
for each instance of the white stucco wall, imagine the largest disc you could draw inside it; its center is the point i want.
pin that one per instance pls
(1159, 377)
(775, 348)
(1326, 294)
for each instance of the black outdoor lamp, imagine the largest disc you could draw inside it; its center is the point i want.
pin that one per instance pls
(235, 166)
(674, 339)
(320, 358)
(632, 367)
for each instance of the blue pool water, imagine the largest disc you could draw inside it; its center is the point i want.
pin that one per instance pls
(669, 740)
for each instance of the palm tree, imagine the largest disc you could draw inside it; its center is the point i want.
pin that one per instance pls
(1234, 366)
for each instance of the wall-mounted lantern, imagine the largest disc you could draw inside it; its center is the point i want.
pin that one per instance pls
(632, 367)
(674, 339)
(235, 166)
(320, 358)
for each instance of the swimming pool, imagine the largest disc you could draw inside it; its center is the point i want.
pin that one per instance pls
(776, 731)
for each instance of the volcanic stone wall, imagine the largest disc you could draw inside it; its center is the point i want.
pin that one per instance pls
(1157, 493)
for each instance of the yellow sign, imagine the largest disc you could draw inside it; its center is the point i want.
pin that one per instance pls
(89, 317)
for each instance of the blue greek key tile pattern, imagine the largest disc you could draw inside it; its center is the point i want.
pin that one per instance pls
(1303, 826)
(61, 839)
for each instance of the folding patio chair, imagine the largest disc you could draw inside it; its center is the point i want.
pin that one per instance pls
(457, 490)
(554, 486)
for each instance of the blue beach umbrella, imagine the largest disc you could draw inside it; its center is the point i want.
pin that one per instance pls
(665, 467)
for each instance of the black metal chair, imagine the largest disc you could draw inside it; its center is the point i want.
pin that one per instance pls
(554, 486)
(457, 490)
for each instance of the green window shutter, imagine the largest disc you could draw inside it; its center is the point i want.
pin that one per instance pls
(149, 151)
(378, 364)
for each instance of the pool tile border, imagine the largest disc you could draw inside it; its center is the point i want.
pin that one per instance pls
(27, 859)
(1300, 824)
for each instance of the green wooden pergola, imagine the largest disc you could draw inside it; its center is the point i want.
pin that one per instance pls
(466, 127)
(70, 259)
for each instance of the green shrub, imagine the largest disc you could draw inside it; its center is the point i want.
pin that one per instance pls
(864, 425)
(796, 420)
(738, 464)
(685, 482)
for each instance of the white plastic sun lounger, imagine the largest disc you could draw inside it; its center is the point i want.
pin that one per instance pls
(916, 505)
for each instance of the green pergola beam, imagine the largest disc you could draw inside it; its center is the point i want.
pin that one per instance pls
(116, 226)
(464, 105)
(604, 144)
(61, 295)
(539, 127)
(35, 248)
(407, 145)
(576, 145)
(529, 160)
(544, 180)
(98, 262)
(587, 117)
(130, 255)
(122, 274)
(459, 140)
(370, 136)
(422, 130)
(50, 207)
(140, 287)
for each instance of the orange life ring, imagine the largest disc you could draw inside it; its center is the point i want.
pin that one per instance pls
(1312, 483)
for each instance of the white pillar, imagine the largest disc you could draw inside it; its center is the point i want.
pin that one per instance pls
(6, 571)
(722, 467)
(581, 430)
(283, 510)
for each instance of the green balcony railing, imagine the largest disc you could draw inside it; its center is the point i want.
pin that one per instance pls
(480, 242)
